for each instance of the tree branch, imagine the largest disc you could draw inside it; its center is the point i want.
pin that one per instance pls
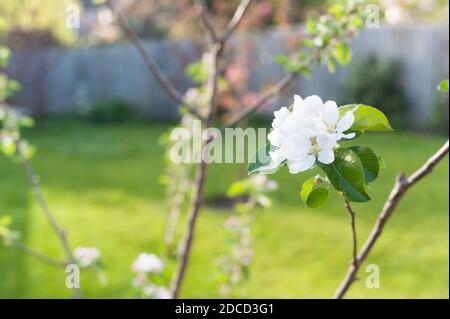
(34, 253)
(262, 100)
(401, 186)
(175, 211)
(216, 51)
(352, 214)
(279, 87)
(236, 20)
(207, 20)
(60, 233)
(150, 62)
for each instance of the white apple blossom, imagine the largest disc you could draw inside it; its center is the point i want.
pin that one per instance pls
(308, 133)
(157, 292)
(86, 256)
(148, 263)
(330, 121)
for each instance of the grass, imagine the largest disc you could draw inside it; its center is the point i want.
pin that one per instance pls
(102, 184)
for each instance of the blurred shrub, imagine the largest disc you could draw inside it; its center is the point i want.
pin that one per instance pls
(378, 83)
(439, 121)
(109, 111)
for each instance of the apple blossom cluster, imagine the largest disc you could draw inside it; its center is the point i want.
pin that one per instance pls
(308, 133)
(148, 263)
(146, 267)
(157, 292)
(86, 256)
(234, 265)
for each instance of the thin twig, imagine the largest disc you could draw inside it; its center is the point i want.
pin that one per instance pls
(401, 186)
(200, 179)
(352, 214)
(59, 231)
(207, 20)
(284, 83)
(150, 62)
(175, 211)
(262, 100)
(192, 219)
(236, 20)
(34, 253)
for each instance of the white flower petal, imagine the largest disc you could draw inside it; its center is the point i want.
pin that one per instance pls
(330, 113)
(275, 138)
(277, 157)
(326, 156)
(290, 126)
(313, 105)
(318, 126)
(297, 147)
(338, 136)
(348, 136)
(280, 117)
(326, 141)
(346, 122)
(296, 167)
(298, 103)
(308, 132)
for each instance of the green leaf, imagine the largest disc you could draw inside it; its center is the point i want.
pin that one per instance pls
(443, 86)
(313, 198)
(367, 118)
(309, 43)
(4, 56)
(318, 198)
(337, 10)
(26, 121)
(27, 150)
(9, 147)
(357, 22)
(331, 66)
(382, 164)
(5, 220)
(261, 162)
(307, 188)
(342, 53)
(237, 188)
(196, 72)
(370, 162)
(282, 59)
(311, 26)
(346, 174)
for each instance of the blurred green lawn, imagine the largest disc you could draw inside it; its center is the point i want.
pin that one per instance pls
(102, 184)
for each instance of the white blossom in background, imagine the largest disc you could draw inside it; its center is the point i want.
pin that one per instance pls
(157, 292)
(148, 263)
(262, 183)
(308, 133)
(86, 256)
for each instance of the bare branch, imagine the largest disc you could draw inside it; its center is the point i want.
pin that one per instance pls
(207, 20)
(236, 20)
(45, 208)
(216, 51)
(352, 214)
(192, 220)
(401, 186)
(150, 62)
(60, 233)
(262, 100)
(175, 210)
(34, 253)
(279, 87)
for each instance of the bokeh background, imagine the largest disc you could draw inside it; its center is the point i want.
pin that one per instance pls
(100, 115)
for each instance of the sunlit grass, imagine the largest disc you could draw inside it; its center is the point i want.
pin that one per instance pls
(102, 184)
